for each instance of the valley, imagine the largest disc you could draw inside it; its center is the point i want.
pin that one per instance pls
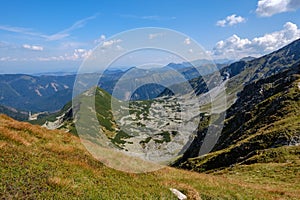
(160, 130)
(150, 100)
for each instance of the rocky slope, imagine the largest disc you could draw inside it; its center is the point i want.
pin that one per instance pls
(265, 115)
(262, 96)
(155, 129)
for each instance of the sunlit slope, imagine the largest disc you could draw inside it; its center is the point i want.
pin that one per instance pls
(37, 163)
(265, 115)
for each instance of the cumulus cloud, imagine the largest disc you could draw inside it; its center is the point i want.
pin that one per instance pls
(187, 41)
(230, 20)
(267, 8)
(81, 54)
(109, 43)
(100, 39)
(77, 55)
(33, 47)
(235, 46)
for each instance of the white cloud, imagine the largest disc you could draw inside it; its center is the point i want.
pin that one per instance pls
(21, 30)
(267, 8)
(51, 58)
(230, 20)
(100, 39)
(66, 32)
(221, 23)
(56, 36)
(119, 48)
(77, 55)
(4, 58)
(80, 54)
(71, 45)
(33, 47)
(235, 46)
(187, 41)
(155, 35)
(109, 43)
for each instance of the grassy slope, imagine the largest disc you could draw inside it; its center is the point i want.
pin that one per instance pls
(257, 121)
(37, 163)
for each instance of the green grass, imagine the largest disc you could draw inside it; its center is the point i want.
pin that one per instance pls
(36, 163)
(140, 108)
(165, 137)
(256, 122)
(278, 167)
(118, 139)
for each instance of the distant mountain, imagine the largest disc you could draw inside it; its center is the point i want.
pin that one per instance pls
(12, 112)
(50, 92)
(35, 93)
(62, 73)
(248, 58)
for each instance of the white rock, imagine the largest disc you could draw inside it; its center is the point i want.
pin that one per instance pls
(179, 195)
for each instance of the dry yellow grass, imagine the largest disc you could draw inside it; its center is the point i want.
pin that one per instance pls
(61, 181)
(43, 164)
(2, 144)
(14, 136)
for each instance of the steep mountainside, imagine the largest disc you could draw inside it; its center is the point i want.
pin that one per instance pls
(37, 163)
(12, 112)
(265, 115)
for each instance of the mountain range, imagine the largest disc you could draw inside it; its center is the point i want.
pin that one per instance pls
(51, 91)
(248, 84)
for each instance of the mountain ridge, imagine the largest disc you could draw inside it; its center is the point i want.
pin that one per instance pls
(257, 120)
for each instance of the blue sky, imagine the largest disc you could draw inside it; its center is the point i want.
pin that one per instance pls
(41, 36)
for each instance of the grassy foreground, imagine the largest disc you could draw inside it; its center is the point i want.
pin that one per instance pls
(36, 163)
